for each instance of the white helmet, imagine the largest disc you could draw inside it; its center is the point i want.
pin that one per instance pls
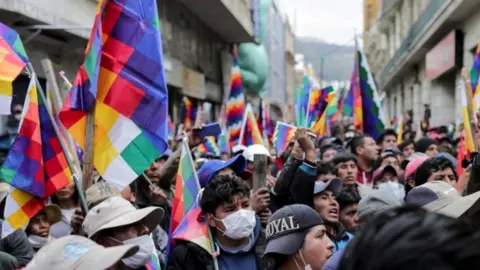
(255, 149)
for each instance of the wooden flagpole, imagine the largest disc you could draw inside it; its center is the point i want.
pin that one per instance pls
(62, 143)
(57, 102)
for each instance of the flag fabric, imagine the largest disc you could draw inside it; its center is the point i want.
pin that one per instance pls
(469, 144)
(20, 207)
(374, 120)
(461, 155)
(153, 263)
(36, 163)
(123, 79)
(189, 113)
(222, 142)
(209, 146)
(186, 187)
(321, 127)
(250, 134)
(400, 130)
(317, 104)
(474, 80)
(282, 136)
(301, 103)
(194, 229)
(13, 39)
(349, 102)
(13, 60)
(265, 122)
(10, 67)
(235, 104)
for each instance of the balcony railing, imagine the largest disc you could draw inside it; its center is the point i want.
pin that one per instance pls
(433, 7)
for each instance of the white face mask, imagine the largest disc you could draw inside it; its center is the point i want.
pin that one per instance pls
(239, 225)
(397, 188)
(307, 266)
(38, 241)
(145, 251)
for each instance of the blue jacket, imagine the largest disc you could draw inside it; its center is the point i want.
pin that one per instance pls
(245, 260)
(189, 256)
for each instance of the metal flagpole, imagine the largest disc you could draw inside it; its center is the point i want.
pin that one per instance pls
(62, 143)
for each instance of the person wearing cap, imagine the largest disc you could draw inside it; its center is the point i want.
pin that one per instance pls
(80, 253)
(115, 222)
(256, 149)
(407, 148)
(326, 205)
(236, 230)
(38, 229)
(297, 239)
(366, 150)
(386, 177)
(427, 146)
(387, 139)
(442, 198)
(412, 164)
(210, 168)
(390, 157)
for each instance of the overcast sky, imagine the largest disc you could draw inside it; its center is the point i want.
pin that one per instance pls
(331, 20)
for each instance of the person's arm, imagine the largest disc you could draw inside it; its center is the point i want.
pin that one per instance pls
(473, 184)
(169, 169)
(17, 245)
(304, 183)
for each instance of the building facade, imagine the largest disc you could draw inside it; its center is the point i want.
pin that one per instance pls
(289, 72)
(426, 44)
(370, 12)
(196, 39)
(275, 47)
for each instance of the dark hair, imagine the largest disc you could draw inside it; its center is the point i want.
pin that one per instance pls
(347, 197)
(344, 157)
(326, 168)
(430, 166)
(221, 190)
(405, 144)
(411, 238)
(357, 141)
(385, 133)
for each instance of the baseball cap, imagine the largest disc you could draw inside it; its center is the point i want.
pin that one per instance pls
(80, 253)
(255, 149)
(335, 185)
(449, 157)
(376, 201)
(287, 228)
(211, 167)
(117, 212)
(413, 165)
(99, 192)
(442, 198)
(380, 171)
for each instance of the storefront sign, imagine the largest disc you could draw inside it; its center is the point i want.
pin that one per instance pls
(441, 58)
(193, 84)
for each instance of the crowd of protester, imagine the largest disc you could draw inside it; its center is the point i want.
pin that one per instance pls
(347, 202)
